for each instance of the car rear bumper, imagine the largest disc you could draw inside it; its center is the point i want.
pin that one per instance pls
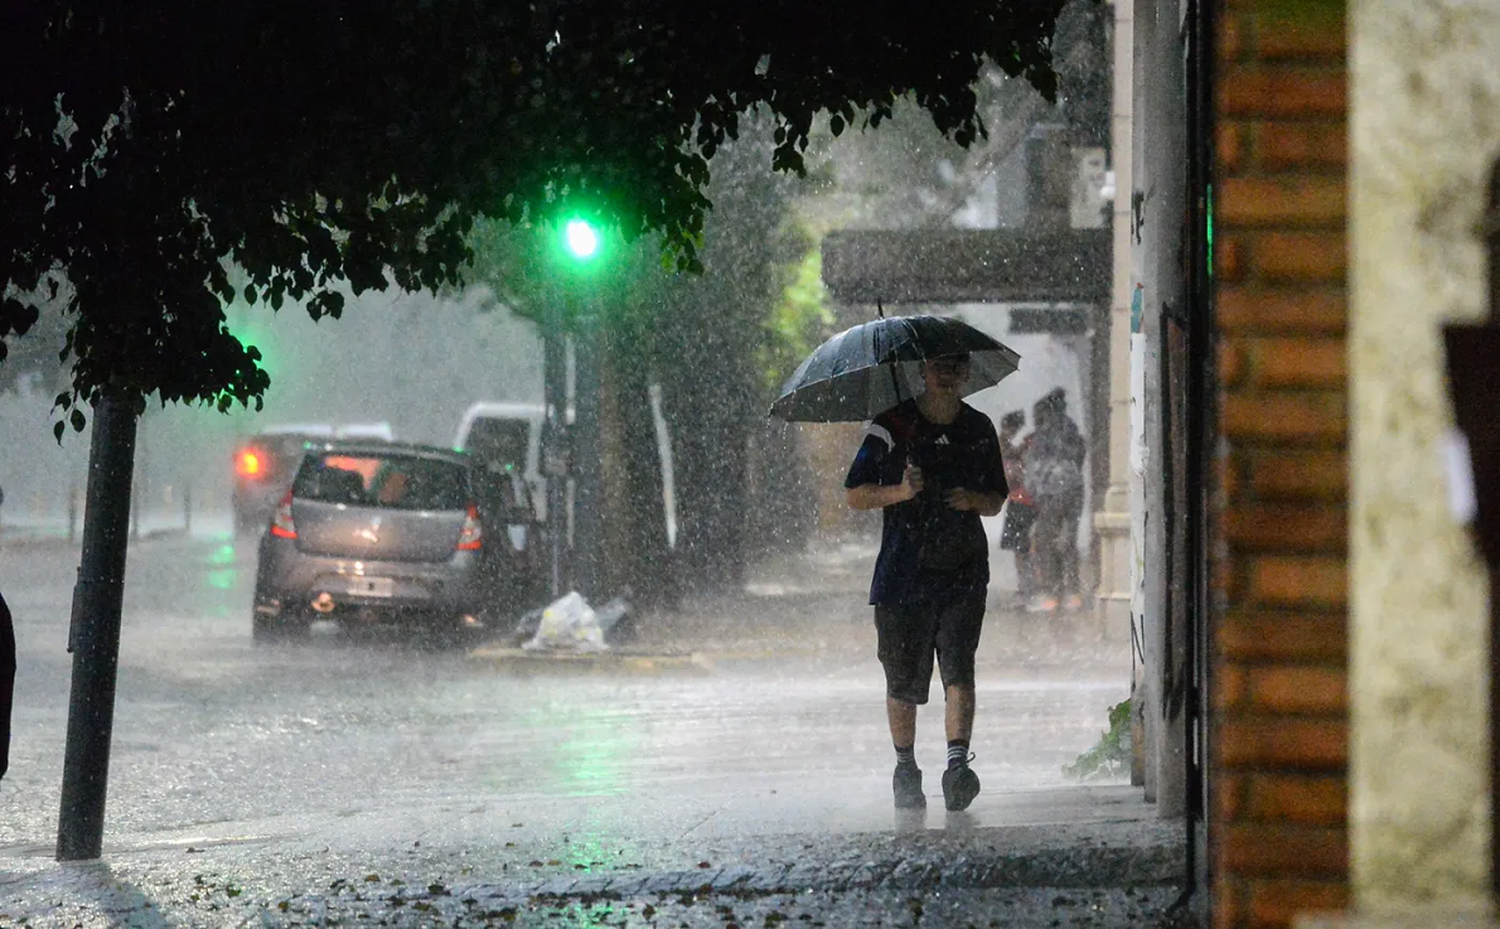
(290, 580)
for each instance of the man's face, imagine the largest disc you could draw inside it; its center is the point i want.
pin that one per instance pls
(945, 375)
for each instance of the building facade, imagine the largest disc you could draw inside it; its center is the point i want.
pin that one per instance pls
(1350, 772)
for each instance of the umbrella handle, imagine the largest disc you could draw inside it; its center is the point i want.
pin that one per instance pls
(895, 380)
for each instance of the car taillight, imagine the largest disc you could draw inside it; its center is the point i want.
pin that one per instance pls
(250, 462)
(471, 536)
(282, 526)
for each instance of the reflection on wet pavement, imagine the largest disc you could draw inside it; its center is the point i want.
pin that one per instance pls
(349, 735)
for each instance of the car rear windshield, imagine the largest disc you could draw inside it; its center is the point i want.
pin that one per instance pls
(401, 482)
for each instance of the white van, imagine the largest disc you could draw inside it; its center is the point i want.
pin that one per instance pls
(507, 438)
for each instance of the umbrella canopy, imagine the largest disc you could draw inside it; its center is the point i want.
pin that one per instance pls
(872, 367)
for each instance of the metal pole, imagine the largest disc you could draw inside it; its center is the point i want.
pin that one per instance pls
(554, 391)
(94, 638)
(587, 469)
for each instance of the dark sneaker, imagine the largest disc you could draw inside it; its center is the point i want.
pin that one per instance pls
(960, 787)
(907, 785)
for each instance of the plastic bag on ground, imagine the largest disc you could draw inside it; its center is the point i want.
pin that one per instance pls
(568, 624)
(611, 613)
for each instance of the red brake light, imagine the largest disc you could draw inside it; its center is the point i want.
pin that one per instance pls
(471, 536)
(251, 462)
(282, 526)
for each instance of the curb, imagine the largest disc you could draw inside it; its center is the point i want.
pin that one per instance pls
(618, 660)
(1056, 868)
(11, 539)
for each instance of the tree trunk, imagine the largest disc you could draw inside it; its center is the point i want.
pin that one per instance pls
(94, 638)
(710, 398)
(638, 559)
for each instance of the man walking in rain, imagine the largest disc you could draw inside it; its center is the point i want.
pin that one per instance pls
(933, 465)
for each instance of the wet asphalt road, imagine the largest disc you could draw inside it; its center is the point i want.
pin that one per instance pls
(373, 748)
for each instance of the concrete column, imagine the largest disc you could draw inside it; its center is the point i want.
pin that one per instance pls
(1158, 201)
(1424, 91)
(1112, 519)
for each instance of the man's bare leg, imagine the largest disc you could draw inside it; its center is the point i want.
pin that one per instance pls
(958, 712)
(907, 779)
(903, 719)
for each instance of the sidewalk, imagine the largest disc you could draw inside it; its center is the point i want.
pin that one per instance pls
(25, 537)
(1113, 864)
(821, 852)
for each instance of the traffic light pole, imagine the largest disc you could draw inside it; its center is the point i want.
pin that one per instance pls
(554, 451)
(588, 473)
(581, 460)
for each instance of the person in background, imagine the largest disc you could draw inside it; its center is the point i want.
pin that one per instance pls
(1020, 514)
(933, 466)
(1054, 476)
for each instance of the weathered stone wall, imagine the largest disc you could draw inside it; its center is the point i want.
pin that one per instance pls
(1425, 97)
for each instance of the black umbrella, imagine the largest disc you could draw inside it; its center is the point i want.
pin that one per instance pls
(872, 367)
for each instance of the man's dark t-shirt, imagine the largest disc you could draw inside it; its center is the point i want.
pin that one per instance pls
(927, 546)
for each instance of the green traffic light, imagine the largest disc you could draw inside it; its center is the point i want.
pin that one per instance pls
(582, 240)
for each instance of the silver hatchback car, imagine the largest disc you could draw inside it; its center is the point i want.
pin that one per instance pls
(370, 532)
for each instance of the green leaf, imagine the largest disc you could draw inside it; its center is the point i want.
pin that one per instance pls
(77, 418)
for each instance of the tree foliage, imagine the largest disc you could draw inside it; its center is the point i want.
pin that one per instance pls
(798, 321)
(147, 147)
(908, 176)
(32, 362)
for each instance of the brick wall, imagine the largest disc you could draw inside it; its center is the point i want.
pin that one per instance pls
(1279, 709)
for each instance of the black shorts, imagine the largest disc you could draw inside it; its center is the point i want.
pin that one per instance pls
(909, 634)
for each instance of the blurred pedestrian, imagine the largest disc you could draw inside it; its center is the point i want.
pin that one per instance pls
(933, 465)
(1020, 513)
(7, 681)
(1054, 476)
